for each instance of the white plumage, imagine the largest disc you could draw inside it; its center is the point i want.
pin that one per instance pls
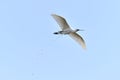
(67, 30)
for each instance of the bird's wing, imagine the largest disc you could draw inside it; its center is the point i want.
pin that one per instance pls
(61, 21)
(79, 39)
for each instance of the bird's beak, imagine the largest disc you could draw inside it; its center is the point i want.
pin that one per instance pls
(82, 30)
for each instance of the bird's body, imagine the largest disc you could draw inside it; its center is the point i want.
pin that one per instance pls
(67, 30)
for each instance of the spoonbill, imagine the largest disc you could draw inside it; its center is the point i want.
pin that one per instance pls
(66, 30)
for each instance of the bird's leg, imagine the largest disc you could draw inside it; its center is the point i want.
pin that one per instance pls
(59, 32)
(55, 33)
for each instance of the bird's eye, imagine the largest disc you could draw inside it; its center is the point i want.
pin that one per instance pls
(78, 29)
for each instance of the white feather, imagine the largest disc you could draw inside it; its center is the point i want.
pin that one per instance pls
(67, 30)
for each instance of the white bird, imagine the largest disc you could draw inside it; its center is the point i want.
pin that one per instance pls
(67, 30)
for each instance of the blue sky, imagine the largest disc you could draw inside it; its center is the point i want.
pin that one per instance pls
(30, 51)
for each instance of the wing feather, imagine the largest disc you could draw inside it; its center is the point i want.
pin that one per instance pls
(61, 21)
(79, 39)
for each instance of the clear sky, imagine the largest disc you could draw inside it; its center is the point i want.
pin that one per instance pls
(30, 51)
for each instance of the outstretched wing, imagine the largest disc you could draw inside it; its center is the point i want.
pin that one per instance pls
(79, 39)
(61, 21)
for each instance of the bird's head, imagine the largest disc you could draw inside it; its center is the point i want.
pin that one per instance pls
(79, 30)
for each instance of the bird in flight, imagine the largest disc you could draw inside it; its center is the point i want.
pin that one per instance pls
(67, 30)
